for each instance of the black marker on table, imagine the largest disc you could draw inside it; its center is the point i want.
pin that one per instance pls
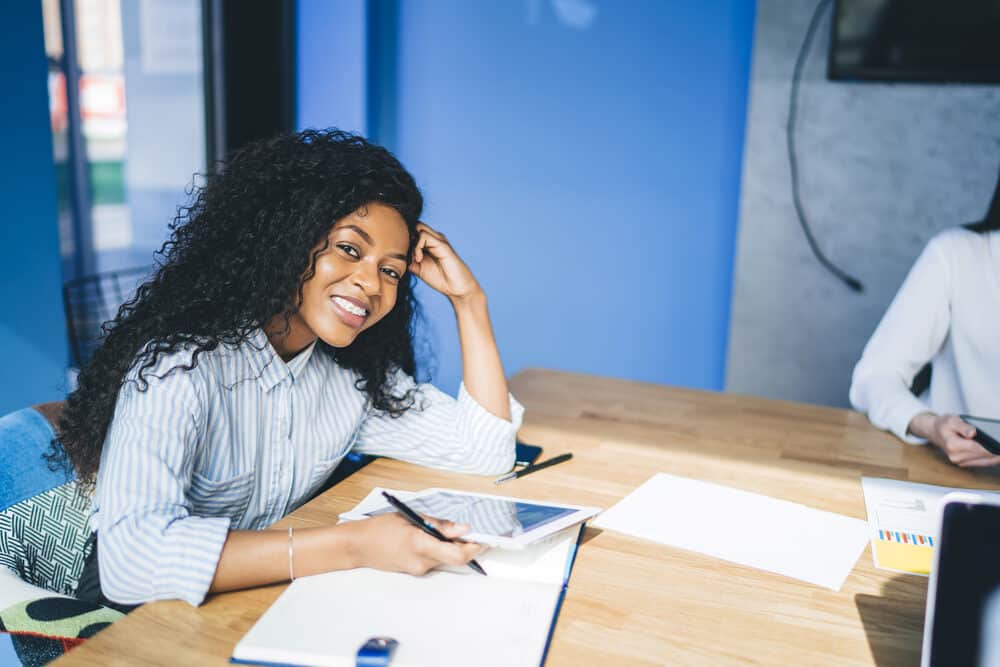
(426, 526)
(527, 470)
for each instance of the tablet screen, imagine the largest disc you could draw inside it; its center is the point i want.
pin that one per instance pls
(486, 516)
(968, 575)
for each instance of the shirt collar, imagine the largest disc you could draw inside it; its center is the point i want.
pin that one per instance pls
(264, 363)
(299, 361)
(256, 359)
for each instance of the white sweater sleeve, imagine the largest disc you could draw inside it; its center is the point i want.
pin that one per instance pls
(911, 332)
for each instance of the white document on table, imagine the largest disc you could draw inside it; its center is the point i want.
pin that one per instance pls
(741, 527)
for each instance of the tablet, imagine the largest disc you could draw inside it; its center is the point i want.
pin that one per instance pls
(987, 432)
(961, 624)
(497, 521)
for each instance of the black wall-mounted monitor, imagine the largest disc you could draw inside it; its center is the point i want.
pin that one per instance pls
(916, 40)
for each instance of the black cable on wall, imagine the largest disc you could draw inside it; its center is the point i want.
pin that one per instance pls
(793, 162)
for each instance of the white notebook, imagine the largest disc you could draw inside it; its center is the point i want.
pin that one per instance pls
(447, 617)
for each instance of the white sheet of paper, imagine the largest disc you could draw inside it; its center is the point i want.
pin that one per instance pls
(742, 527)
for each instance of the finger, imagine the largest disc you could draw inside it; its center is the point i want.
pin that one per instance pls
(985, 462)
(419, 566)
(437, 246)
(959, 443)
(440, 524)
(423, 227)
(418, 248)
(472, 549)
(429, 244)
(450, 529)
(960, 450)
(447, 553)
(959, 427)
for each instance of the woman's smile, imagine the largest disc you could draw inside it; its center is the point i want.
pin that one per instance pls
(354, 281)
(351, 312)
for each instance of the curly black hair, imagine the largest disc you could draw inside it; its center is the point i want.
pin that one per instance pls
(236, 258)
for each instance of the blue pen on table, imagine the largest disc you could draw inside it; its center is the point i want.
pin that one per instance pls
(426, 526)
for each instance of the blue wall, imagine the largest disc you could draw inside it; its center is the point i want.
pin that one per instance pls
(331, 64)
(584, 158)
(32, 326)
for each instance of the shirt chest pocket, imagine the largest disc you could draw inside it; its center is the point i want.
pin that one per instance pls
(226, 497)
(320, 472)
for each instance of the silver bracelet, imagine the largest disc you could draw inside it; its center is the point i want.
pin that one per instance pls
(291, 555)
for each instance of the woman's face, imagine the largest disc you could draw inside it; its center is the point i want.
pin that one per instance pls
(355, 282)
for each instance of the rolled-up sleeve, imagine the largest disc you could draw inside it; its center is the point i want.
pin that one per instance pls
(150, 546)
(443, 432)
(910, 334)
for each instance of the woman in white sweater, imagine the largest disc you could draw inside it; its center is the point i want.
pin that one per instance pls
(947, 312)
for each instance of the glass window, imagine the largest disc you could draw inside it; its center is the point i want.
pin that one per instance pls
(128, 136)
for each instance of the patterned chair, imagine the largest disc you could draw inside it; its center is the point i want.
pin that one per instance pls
(44, 542)
(43, 515)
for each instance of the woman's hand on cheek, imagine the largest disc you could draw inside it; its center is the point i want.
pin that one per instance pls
(437, 264)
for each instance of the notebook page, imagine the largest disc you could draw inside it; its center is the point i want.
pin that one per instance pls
(439, 619)
(543, 562)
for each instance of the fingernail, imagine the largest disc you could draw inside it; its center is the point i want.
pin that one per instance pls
(970, 432)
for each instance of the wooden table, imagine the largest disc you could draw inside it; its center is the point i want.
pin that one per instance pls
(634, 602)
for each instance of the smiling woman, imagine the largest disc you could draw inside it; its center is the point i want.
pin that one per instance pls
(355, 277)
(274, 338)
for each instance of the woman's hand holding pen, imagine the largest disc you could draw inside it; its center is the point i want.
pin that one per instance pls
(390, 542)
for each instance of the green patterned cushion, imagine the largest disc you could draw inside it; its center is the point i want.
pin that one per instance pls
(44, 538)
(57, 617)
(40, 630)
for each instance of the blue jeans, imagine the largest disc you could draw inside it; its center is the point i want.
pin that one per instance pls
(25, 437)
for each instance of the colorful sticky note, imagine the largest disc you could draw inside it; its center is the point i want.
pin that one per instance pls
(905, 557)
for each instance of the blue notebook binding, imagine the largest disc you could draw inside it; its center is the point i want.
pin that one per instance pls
(562, 594)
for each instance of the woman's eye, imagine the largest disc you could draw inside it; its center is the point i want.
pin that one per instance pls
(349, 249)
(392, 273)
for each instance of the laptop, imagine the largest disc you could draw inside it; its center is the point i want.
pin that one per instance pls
(962, 620)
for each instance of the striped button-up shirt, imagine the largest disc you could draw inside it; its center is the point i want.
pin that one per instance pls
(241, 440)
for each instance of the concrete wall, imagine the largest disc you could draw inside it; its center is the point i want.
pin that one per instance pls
(883, 167)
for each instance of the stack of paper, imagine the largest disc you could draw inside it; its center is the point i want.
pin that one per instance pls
(741, 527)
(903, 519)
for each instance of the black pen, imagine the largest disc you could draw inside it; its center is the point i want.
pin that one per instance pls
(426, 526)
(527, 470)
